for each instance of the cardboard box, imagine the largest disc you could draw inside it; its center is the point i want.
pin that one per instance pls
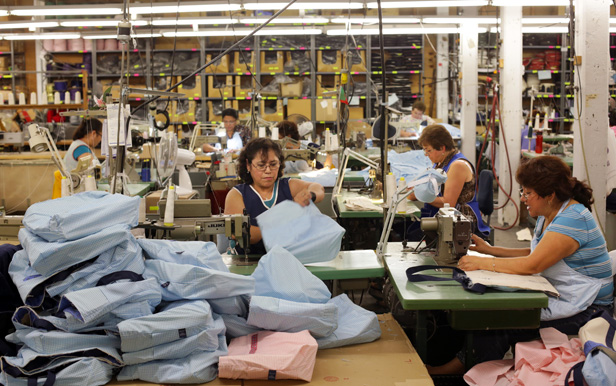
(271, 110)
(244, 62)
(243, 108)
(244, 86)
(295, 58)
(192, 88)
(357, 59)
(359, 127)
(356, 113)
(219, 67)
(183, 43)
(215, 108)
(327, 84)
(416, 83)
(184, 111)
(327, 110)
(300, 106)
(292, 89)
(220, 86)
(272, 61)
(329, 66)
(115, 87)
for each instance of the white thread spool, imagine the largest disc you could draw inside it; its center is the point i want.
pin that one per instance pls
(328, 140)
(22, 98)
(11, 99)
(65, 187)
(169, 208)
(390, 188)
(1, 98)
(231, 169)
(402, 206)
(142, 210)
(33, 99)
(67, 97)
(78, 97)
(545, 123)
(275, 133)
(261, 132)
(537, 121)
(90, 184)
(56, 98)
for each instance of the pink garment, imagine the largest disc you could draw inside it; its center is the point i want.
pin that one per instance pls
(540, 362)
(270, 355)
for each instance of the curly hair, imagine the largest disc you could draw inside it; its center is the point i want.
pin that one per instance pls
(436, 136)
(549, 174)
(258, 147)
(288, 129)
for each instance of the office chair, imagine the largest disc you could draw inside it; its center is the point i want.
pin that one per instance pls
(485, 197)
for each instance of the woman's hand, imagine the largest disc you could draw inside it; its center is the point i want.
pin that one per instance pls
(470, 263)
(304, 197)
(480, 245)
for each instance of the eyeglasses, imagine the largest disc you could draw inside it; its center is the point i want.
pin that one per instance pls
(525, 195)
(229, 122)
(262, 166)
(427, 151)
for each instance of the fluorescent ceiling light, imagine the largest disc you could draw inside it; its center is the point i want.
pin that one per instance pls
(305, 5)
(205, 20)
(530, 3)
(428, 4)
(99, 23)
(375, 20)
(29, 24)
(174, 8)
(286, 20)
(4, 12)
(40, 36)
(65, 11)
(244, 32)
(115, 36)
(539, 30)
(545, 20)
(401, 31)
(459, 20)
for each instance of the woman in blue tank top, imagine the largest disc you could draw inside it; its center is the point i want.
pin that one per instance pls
(260, 167)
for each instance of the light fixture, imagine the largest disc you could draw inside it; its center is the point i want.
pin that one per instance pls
(4, 12)
(99, 23)
(540, 30)
(114, 36)
(174, 8)
(545, 20)
(428, 4)
(304, 5)
(401, 31)
(244, 32)
(40, 141)
(45, 36)
(375, 20)
(460, 20)
(195, 21)
(65, 11)
(29, 24)
(286, 20)
(530, 3)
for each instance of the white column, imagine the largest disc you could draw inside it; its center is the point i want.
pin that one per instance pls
(511, 108)
(468, 58)
(442, 72)
(591, 99)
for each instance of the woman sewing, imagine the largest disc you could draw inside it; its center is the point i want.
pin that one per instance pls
(567, 248)
(87, 136)
(459, 189)
(260, 168)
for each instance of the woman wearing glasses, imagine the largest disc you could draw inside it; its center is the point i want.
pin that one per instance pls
(567, 248)
(261, 167)
(86, 137)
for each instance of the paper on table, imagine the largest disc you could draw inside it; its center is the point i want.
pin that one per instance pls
(496, 279)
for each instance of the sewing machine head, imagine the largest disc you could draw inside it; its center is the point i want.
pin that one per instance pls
(453, 234)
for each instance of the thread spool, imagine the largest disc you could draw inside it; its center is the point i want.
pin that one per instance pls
(169, 208)
(67, 97)
(90, 184)
(261, 132)
(60, 45)
(275, 133)
(545, 123)
(537, 121)
(390, 188)
(1, 98)
(11, 99)
(402, 206)
(78, 97)
(231, 169)
(56, 98)
(22, 98)
(65, 187)
(328, 140)
(75, 44)
(142, 210)
(33, 99)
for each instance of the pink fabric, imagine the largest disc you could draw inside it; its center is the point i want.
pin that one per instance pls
(540, 362)
(270, 355)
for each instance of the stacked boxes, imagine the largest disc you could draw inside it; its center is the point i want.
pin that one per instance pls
(272, 61)
(215, 109)
(220, 67)
(192, 88)
(244, 85)
(300, 106)
(329, 61)
(220, 86)
(271, 110)
(244, 62)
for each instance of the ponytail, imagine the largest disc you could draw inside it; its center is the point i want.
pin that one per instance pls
(582, 193)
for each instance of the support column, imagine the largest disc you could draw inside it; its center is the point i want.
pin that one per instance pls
(591, 99)
(468, 57)
(511, 108)
(442, 72)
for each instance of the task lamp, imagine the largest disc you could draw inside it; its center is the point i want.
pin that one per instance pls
(426, 189)
(40, 141)
(345, 160)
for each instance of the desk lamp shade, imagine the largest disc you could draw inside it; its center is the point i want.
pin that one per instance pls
(376, 129)
(37, 140)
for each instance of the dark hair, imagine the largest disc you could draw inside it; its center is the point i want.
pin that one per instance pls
(230, 113)
(88, 125)
(288, 129)
(419, 105)
(436, 136)
(254, 148)
(549, 174)
(612, 117)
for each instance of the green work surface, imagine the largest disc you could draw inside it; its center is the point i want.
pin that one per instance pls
(532, 154)
(343, 212)
(136, 189)
(347, 265)
(349, 176)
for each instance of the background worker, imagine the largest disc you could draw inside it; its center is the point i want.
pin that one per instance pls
(289, 129)
(87, 136)
(237, 135)
(415, 120)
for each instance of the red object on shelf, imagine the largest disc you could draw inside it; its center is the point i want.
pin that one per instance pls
(539, 143)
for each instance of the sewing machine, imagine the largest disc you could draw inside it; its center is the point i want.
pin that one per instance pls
(453, 234)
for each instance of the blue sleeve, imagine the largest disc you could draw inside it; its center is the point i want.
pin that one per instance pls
(81, 150)
(571, 223)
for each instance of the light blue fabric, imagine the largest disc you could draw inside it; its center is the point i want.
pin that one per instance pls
(198, 367)
(283, 315)
(55, 342)
(409, 164)
(234, 305)
(82, 371)
(326, 177)
(355, 325)
(238, 326)
(454, 131)
(48, 258)
(91, 304)
(26, 279)
(428, 185)
(181, 281)
(186, 319)
(599, 369)
(206, 340)
(199, 253)
(80, 215)
(305, 232)
(282, 276)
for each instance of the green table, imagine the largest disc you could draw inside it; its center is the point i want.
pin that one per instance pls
(467, 311)
(343, 212)
(136, 189)
(532, 154)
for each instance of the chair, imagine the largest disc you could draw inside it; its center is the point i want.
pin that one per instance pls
(485, 196)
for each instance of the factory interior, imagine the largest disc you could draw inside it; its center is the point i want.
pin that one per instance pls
(259, 192)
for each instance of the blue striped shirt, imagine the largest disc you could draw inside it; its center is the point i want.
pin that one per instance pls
(591, 258)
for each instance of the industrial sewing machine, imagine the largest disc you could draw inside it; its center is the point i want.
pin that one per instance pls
(453, 234)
